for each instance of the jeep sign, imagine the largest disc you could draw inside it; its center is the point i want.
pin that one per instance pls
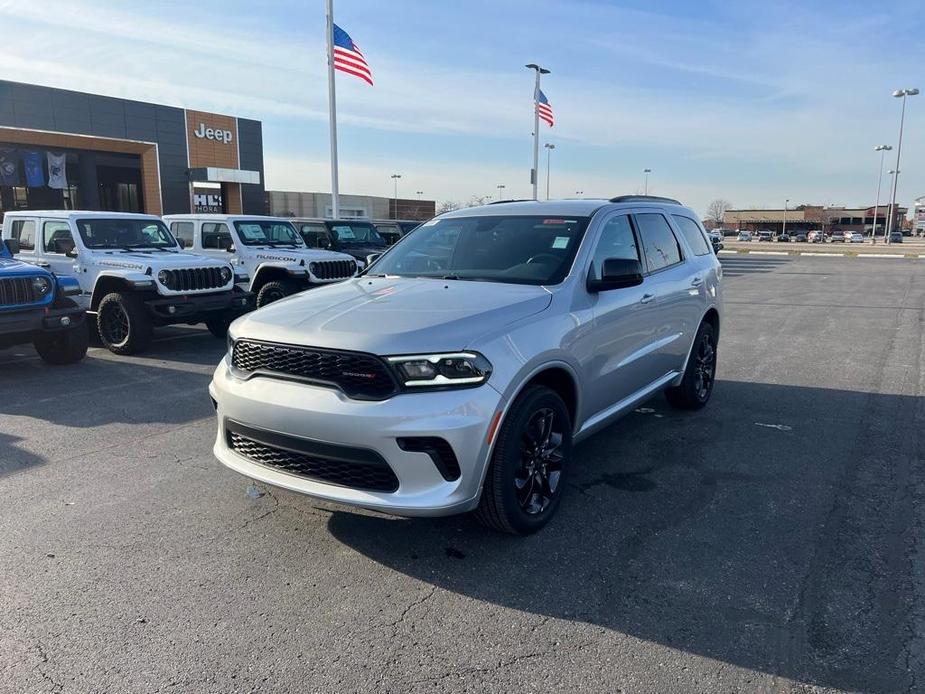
(203, 132)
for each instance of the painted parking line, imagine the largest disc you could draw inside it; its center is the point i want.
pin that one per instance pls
(768, 253)
(728, 252)
(827, 255)
(881, 255)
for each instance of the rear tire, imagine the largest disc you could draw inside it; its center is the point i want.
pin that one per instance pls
(124, 324)
(700, 374)
(526, 476)
(274, 291)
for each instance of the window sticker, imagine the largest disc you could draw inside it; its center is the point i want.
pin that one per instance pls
(252, 232)
(560, 242)
(344, 233)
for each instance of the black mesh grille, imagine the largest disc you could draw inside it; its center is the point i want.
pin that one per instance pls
(361, 376)
(18, 290)
(333, 269)
(354, 474)
(193, 279)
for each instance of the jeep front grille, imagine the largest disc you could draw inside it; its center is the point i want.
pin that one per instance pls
(358, 375)
(18, 290)
(193, 279)
(333, 269)
(357, 468)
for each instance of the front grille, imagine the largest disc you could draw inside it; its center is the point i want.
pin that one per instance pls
(193, 279)
(372, 474)
(360, 376)
(333, 269)
(18, 290)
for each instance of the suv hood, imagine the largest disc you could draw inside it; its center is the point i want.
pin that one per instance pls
(393, 315)
(295, 255)
(11, 267)
(142, 260)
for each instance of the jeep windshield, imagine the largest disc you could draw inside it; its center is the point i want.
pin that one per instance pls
(259, 232)
(355, 234)
(122, 234)
(513, 250)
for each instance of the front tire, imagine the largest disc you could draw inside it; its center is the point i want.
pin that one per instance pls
(526, 476)
(274, 291)
(700, 375)
(64, 347)
(218, 326)
(124, 324)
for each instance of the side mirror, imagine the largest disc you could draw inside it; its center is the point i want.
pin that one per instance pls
(372, 258)
(12, 245)
(230, 248)
(617, 273)
(71, 252)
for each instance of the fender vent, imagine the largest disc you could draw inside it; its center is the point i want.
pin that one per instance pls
(439, 450)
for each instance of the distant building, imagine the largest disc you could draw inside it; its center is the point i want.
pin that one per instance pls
(814, 217)
(290, 204)
(918, 217)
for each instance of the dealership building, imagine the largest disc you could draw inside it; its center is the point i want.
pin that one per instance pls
(815, 217)
(62, 149)
(294, 204)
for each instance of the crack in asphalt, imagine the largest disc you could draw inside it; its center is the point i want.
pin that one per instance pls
(43, 660)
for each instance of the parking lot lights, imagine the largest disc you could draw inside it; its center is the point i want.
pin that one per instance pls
(883, 149)
(646, 184)
(899, 94)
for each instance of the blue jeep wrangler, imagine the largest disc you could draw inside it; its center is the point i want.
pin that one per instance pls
(35, 307)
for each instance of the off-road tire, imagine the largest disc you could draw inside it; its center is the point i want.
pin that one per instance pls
(274, 291)
(64, 346)
(691, 393)
(135, 334)
(499, 507)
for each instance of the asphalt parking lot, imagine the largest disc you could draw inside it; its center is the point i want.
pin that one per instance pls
(773, 542)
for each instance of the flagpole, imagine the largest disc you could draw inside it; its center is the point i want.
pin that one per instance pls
(534, 172)
(332, 112)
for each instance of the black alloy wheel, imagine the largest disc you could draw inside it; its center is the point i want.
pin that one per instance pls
(540, 473)
(113, 321)
(700, 375)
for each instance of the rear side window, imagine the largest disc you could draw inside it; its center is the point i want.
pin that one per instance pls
(215, 235)
(24, 232)
(693, 235)
(183, 231)
(658, 241)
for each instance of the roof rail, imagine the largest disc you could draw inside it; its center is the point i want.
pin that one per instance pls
(644, 198)
(501, 202)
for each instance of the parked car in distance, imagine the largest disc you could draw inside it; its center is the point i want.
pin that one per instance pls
(716, 240)
(37, 307)
(816, 236)
(133, 274)
(854, 237)
(837, 236)
(896, 237)
(783, 237)
(764, 234)
(744, 236)
(267, 253)
(724, 232)
(458, 371)
(391, 230)
(358, 238)
(799, 237)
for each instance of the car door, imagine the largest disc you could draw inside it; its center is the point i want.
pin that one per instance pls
(620, 354)
(215, 238)
(24, 231)
(677, 287)
(57, 239)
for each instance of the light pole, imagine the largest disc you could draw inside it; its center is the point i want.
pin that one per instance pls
(899, 94)
(786, 203)
(500, 187)
(549, 148)
(646, 188)
(883, 149)
(395, 178)
(579, 193)
(420, 193)
(536, 124)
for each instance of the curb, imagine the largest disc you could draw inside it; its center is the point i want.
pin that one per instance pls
(821, 254)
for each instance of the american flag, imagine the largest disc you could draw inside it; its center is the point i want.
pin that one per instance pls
(348, 58)
(544, 110)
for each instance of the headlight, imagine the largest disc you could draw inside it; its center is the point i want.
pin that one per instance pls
(455, 369)
(230, 342)
(313, 268)
(41, 285)
(226, 275)
(164, 278)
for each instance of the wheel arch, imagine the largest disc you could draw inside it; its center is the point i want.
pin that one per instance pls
(268, 273)
(106, 284)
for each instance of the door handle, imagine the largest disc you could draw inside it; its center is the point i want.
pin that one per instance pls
(697, 281)
(646, 298)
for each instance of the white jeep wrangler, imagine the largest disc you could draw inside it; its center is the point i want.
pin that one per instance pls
(268, 254)
(133, 275)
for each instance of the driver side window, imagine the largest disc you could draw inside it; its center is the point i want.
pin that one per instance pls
(56, 237)
(617, 241)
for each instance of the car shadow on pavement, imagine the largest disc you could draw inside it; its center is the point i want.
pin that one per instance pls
(770, 531)
(13, 458)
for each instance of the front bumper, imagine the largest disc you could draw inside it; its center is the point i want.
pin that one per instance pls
(326, 417)
(33, 320)
(186, 308)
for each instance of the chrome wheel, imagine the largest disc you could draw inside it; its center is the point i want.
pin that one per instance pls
(536, 482)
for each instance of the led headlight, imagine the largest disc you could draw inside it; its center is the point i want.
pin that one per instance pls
(455, 369)
(313, 268)
(41, 285)
(226, 275)
(164, 278)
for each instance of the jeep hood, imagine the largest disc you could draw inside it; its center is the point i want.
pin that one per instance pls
(11, 267)
(159, 260)
(296, 255)
(393, 315)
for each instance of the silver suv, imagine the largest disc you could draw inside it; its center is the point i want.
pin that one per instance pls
(457, 372)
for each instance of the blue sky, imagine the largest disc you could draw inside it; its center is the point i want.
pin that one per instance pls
(751, 101)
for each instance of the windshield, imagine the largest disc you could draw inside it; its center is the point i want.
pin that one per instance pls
(351, 233)
(126, 234)
(259, 232)
(514, 250)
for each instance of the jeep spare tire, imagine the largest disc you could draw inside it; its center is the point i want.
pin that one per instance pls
(124, 324)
